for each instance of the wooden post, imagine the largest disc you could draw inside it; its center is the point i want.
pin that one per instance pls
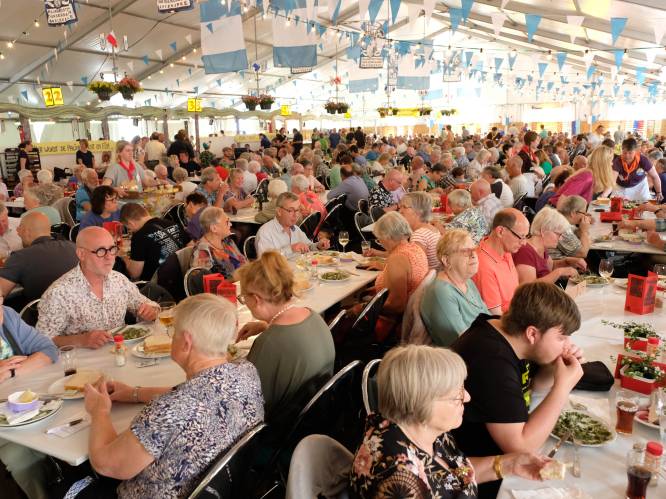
(196, 131)
(105, 128)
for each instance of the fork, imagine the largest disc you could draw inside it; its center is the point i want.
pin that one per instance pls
(575, 469)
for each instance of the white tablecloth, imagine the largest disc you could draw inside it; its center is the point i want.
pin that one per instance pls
(598, 229)
(603, 469)
(74, 449)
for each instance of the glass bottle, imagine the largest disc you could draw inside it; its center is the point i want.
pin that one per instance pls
(120, 351)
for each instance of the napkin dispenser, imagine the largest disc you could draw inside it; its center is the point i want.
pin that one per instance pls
(610, 216)
(114, 228)
(228, 290)
(211, 282)
(641, 293)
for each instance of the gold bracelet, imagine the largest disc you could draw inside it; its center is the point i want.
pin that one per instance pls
(497, 467)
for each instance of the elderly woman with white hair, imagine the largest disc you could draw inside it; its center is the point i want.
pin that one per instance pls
(467, 216)
(236, 198)
(216, 245)
(26, 180)
(175, 437)
(249, 175)
(452, 302)
(576, 240)
(40, 198)
(310, 202)
(532, 260)
(180, 177)
(275, 188)
(407, 450)
(416, 207)
(476, 166)
(45, 176)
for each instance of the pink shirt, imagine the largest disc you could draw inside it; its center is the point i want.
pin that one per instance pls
(580, 184)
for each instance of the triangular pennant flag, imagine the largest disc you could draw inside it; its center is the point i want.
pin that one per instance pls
(468, 57)
(659, 30)
(512, 60)
(336, 11)
(617, 27)
(111, 38)
(429, 7)
(590, 71)
(561, 58)
(70, 84)
(125, 43)
(189, 71)
(498, 63)
(640, 75)
(146, 61)
(456, 17)
(159, 53)
(177, 82)
(24, 93)
(395, 7)
(196, 90)
(650, 54)
(619, 54)
(588, 57)
(531, 23)
(84, 79)
(219, 83)
(497, 19)
(616, 89)
(188, 39)
(210, 27)
(542, 68)
(466, 7)
(373, 9)
(173, 46)
(130, 65)
(574, 23)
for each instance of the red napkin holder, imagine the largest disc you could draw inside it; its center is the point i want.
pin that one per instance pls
(616, 204)
(610, 216)
(114, 228)
(211, 282)
(641, 294)
(634, 384)
(227, 290)
(444, 204)
(638, 345)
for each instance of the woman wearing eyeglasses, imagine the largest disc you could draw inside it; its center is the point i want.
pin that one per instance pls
(294, 346)
(532, 260)
(103, 207)
(576, 240)
(216, 245)
(452, 302)
(406, 449)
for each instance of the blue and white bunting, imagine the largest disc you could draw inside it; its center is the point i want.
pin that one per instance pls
(456, 17)
(364, 80)
(222, 40)
(532, 23)
(293, 46)
(617, 27)
(561, 59)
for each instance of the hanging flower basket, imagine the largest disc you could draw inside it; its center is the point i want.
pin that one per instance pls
(343, 107)
(103, 89)
(449, 112)
(331, 107)
(394, 111)
(128, 87)
(383, 112)
(266, 101)
(425, 111)
(250, 101)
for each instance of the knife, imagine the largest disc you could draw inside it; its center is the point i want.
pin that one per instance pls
(564, 438)
(74, 422)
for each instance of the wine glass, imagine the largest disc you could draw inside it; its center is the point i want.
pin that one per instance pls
(606, 268)
(343, 239)
(166, 315)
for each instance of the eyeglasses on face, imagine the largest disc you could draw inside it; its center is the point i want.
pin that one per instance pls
(466, 252)
(521, 238)
(291, 211)
(459, 400)
(111, 199)
(102, 252)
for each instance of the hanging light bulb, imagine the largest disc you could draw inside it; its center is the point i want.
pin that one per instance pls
(171, 64)
(10, 44)
(194, 50)
(36, 23)
(161, 71)
(2, 56)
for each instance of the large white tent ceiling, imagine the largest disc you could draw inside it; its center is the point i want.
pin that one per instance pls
(69, 56)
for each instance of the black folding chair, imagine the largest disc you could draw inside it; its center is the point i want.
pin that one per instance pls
(229, 477)
(376, 212)
(30, 314)
(60, 231)
(73, 232)
(310, 224)
(364, 206)
(193, 280)
(71, 207)
(249, 248)
(361, 220)
(369, 386)
(518, 202)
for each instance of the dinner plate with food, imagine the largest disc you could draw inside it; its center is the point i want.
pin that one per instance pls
(155, 346)
(132, 334)
(25, 407)
(601, 202)
(587, 429)
(643, 417)
(592, 281)
(334, 276)
(326, 259)
(302, 282)
(71, 387)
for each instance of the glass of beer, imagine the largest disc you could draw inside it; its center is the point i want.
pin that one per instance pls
(166, 316)
(638, 475)
(626, 406)
(68, 357)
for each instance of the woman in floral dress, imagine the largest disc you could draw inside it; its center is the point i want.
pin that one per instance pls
(406, 451)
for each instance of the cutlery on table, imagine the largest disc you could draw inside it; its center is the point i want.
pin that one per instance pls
(575, 469)
(564, 438)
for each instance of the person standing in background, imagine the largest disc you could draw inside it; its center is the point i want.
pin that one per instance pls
(84, 156)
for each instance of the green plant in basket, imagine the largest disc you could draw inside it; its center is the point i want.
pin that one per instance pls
(634, 330)
(642, 367)
(103, 89)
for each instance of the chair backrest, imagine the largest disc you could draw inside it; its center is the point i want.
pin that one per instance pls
(518, 202)
(71, 209)
(367, 319)
(171, 213)
(361, 220)
(60, 231)
(193, 280)
(333, 220)
(261, 192)
(364, 206)
(182, 215)
(413, 328)
(319, 467)
(336, 319)
(63, 207)
(30, 314)
(376, 212)
(227, 477)
(310, 223)
(330, 204)
(73, 232)
(545, 182)
(369, 386)
(250, 248)
(341, 198)
(323, 180)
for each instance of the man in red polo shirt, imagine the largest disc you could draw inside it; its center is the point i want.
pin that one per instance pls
(497, 278)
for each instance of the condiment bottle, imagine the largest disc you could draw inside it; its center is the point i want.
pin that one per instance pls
(313, 269)
(653, 452)
(120, 351)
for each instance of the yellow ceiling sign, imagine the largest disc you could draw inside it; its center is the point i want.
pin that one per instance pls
(285, 110)
(347, 115)
(53, 96)
(193, 105)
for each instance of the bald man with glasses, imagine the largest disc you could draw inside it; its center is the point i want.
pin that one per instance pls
(83, 305)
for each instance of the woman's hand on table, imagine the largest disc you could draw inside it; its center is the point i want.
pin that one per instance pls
(524, 465)
(251, 329)
(655, 240)
(148, 311)
(97, 400)
(96, 338)
(567, 272)
(7, 365)
(578, 263)
(119, 392)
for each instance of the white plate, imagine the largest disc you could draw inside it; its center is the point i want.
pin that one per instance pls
(601, 421)
(305, 290)
(58, 386)
(39, 417)
(135, 340)
(645, 421)
(595, 285)
(137, 351)
(321, 278)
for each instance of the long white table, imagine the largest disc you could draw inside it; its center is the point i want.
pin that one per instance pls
(74, 449)
(603, 470)
(598, 229)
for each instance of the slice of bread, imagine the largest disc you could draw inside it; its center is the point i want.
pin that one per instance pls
(553, 470)
(80, 379)
(157, 343)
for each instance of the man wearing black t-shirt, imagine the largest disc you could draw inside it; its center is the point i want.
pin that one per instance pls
(502, 357)
(153, 240)
(84, 156)
(297, 143)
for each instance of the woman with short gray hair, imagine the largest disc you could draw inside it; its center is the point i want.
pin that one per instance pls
(416, 207)
(532, 260)
(406, 449)
(40, 198)
(180, 177)
(468, 217)
(216, 246)
(576, 240)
